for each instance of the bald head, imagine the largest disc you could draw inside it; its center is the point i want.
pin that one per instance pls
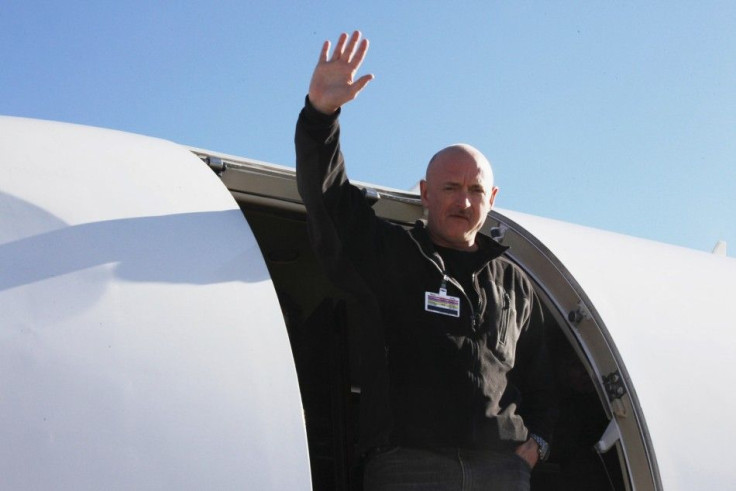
(461, 151)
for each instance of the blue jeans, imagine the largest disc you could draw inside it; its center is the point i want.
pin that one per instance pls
(445, 469)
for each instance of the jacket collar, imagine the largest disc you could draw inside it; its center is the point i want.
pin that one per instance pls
(489, 248)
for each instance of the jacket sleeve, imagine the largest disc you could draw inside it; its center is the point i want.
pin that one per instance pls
(342, 227)
(534, 376)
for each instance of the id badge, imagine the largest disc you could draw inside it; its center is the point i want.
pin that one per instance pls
(442, 303)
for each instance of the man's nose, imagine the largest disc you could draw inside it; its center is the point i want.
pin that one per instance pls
(462, 199)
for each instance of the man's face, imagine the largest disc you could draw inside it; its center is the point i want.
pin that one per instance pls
(458, 194)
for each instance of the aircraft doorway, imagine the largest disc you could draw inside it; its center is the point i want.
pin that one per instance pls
(598, 406)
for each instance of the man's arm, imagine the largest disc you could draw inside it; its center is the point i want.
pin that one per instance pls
(341, 224)
(536, 382)
(529, 451)
(333, 83)
(320, 166)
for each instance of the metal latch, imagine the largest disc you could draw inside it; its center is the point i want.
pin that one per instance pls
(614, 385)
(580, 314)
(371, 195)
(609, 437)
(499, 233)
(216, 164)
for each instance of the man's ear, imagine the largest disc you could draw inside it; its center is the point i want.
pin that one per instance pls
(423, 192)
(494, 191)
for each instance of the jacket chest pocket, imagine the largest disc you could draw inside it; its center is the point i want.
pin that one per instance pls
(505, 323)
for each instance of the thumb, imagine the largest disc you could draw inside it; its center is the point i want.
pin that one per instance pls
(360, 84)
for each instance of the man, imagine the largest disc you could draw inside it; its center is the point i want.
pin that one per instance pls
(455, 337)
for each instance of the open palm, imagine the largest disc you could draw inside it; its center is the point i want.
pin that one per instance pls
(333, 81)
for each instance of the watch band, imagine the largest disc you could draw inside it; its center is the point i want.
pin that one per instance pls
(542, 445)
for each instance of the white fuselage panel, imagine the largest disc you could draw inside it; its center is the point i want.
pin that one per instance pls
(141, 341)
(671, 313)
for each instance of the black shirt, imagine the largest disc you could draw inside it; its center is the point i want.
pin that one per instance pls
(461, 265)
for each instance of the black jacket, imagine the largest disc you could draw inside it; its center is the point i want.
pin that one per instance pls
(480, 380)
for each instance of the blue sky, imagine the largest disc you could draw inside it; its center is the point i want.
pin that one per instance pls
(616, 115)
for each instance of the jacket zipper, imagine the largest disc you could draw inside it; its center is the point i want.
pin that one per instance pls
(446, 277)
(482, 303)
(506, 318)
(475, 320)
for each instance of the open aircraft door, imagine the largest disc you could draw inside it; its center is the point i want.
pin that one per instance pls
(142, 344)
(641, 334)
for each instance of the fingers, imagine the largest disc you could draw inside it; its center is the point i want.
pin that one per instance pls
(339, 47)
(324, 52)
(345, 49)
(360, 54)
(359, 84)
(348, 55)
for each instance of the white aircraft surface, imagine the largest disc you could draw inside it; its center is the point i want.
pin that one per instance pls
(164, 326)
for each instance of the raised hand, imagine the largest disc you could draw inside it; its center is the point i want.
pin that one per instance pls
(333, 81)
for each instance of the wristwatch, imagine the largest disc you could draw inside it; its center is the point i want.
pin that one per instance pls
(543, 446)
